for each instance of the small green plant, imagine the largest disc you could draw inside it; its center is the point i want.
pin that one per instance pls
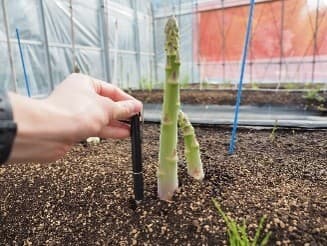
(313, 86)
(146, 84)
(254, 85)
(204, 84)
(159, 85)
(185, 82)
(313, 95)
(273, 132)
(226, 84)
(237, 234)
(291, 86)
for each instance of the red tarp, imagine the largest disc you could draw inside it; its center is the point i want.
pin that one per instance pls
(222, 31)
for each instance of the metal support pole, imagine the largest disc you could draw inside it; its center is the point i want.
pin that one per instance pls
(192, 44)
(315, 43)
(154, 43)
(105, 39)
(72, 34)
(253, 83)
(281, 43)
(137, 40)
(46, 43)
(251, 66)
(180, 13)
(198, 41)
(10, 55)
(224, 40)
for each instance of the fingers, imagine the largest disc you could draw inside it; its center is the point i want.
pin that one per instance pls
(115, 130)
(126, 109)
(121, 110)
(113, 92)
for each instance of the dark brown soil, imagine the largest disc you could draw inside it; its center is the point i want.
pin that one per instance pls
(85, 198)
(249, 97)
(273, 86)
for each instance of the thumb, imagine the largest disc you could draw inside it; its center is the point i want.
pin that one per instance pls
(125, 109)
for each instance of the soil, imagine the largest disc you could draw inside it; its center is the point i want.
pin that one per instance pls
(273, 86)
(249, 97)
(86, 197)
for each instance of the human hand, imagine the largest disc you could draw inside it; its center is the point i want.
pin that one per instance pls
(78, 108)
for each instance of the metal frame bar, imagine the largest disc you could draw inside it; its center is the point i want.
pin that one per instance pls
(72, 34)
(137, 39)
(198, 42)
(214, 5)
(23, 41)
(105, 41)
(46, 43)
(224, 40)
(192, 40)
(281, 43)
(179, 12)
(10, 54)
(154, 39)
(315, 43)
(258, 62)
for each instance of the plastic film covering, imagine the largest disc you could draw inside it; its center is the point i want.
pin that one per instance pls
(75, 31)
(4, 59)
(5, 67)
(24, 16)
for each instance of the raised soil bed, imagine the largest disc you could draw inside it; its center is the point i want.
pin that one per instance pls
(249, 97)
(86, 198)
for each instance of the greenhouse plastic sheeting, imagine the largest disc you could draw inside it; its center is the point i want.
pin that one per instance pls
(29, 29)
(128, 63)
(288, 41)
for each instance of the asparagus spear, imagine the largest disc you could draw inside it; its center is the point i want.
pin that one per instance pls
(192, 148)
(167, 171)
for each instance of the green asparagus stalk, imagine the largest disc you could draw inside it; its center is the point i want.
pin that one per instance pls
(167, 171)
(192, 148)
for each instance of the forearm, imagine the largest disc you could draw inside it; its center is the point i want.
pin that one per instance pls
(39, 128)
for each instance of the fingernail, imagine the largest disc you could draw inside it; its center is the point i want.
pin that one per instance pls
(132, 105)
(138, 106)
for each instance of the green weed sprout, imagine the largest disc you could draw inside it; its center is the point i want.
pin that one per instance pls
(185, 82)
(273, 132)
(146, 84)
(313, 95)
(167, 171)
(237, 234)
(192, 148)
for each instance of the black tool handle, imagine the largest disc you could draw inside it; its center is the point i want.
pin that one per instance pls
(137, 158)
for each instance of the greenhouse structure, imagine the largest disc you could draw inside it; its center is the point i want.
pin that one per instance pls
(122, 41)
(163, 122)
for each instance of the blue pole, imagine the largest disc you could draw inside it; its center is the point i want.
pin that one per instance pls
(27, 83)
(240, 85)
